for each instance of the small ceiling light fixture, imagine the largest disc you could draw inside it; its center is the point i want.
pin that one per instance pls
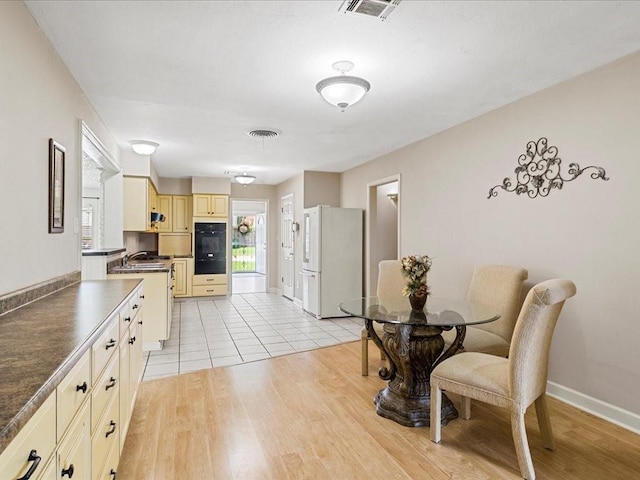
(244, 179)
(343, 90)
(143, 147)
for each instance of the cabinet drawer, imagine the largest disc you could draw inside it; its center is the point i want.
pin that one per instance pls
(72, 391)
(106, 388)
(135, 302)
(204, 290)
(39, 436)
(105, 437)
(74, 453)
(109, 471)
(105, 346)
(216, 279)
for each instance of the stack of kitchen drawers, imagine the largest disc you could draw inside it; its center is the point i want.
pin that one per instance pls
(79, 431)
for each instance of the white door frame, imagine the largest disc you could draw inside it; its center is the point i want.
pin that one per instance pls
(268, 246)
(370, 224)
(286, 230)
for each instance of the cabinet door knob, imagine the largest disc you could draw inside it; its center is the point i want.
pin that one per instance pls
(127, 319)
(113, 474)
(68, 471)
(141, 296)
(33, 457)
(82, 387)
(111, 384)
(112, 343)
(132, 340)
(135, 306)
(140, 322)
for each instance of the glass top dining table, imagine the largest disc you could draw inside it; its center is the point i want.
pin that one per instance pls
(441, 312)
(413, 345)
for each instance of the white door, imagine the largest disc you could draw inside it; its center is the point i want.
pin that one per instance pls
(261, 243)
(287, 259)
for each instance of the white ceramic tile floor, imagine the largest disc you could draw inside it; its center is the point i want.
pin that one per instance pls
(211, 332)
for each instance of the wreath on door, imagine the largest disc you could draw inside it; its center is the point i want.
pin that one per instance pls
(243, 228)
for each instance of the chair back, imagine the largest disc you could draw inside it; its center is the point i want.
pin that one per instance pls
(529, 352)
(499, 286)
(390, 279)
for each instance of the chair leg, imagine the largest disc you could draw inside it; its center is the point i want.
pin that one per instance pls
(522, 446)
(544, 422)
(466, 408)
(435, 412)
(365, 356)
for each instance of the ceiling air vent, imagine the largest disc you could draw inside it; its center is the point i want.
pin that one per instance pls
(263, 133)
(372, 8)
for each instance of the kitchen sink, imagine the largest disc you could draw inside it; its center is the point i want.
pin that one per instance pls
(139, 266)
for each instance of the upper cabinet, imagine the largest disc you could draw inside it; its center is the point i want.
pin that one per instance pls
(181, 213)
(140, 200)
(165, 206)
(207, 205)
(177, 212)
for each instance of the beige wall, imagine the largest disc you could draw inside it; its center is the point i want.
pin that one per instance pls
(38, 100)
(321, 188)
(295, 186)
(588, 232)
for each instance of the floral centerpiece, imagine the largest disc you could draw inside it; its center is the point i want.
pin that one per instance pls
(414, 269)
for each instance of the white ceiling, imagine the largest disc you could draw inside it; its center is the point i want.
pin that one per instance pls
(196, 76)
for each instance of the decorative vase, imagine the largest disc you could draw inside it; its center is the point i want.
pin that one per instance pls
(417, 302)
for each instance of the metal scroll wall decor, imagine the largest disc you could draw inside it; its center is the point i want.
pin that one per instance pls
(538, 172)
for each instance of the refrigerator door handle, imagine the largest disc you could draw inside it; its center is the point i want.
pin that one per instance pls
(307, 274)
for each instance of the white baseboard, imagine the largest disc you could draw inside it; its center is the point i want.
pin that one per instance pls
(297, 302)
(275, 290)
(606, 411)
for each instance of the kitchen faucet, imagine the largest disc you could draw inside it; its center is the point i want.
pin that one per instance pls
(126, 258)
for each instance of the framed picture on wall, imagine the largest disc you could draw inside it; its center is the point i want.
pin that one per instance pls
(56, 186)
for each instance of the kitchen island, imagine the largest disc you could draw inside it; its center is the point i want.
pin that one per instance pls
(47, 341)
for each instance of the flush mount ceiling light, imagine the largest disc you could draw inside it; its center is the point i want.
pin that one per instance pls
(143, 147)
(343, 90)
(244, 179)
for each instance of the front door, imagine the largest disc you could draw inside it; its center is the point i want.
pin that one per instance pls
(287, 235)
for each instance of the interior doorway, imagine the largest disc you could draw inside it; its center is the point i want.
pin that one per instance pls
(248, 246)
(382, 227)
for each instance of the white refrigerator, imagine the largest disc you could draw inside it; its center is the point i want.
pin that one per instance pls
(332, 259)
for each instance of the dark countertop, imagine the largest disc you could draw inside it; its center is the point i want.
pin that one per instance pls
(98, 252)
(41, 342)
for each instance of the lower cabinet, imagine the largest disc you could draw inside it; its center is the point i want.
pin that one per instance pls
(74, 452)
(79, 431)
(204, 285)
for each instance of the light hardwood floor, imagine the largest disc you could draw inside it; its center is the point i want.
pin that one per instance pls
(310, 416)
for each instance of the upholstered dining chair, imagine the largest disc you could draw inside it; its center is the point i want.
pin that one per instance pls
(514, 382)
(499, 286)
(390, 283)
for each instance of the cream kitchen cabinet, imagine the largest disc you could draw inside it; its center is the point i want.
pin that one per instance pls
(207, 205)
(165, 207)
(34, 445)
(206, 285)
(182, 213)
(76, 431)
(158, 293)
(183, 277)
(140, 200)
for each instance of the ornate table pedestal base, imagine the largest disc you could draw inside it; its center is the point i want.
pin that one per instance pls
(413, 352)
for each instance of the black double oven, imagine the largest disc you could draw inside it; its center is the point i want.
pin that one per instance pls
(210, 253)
